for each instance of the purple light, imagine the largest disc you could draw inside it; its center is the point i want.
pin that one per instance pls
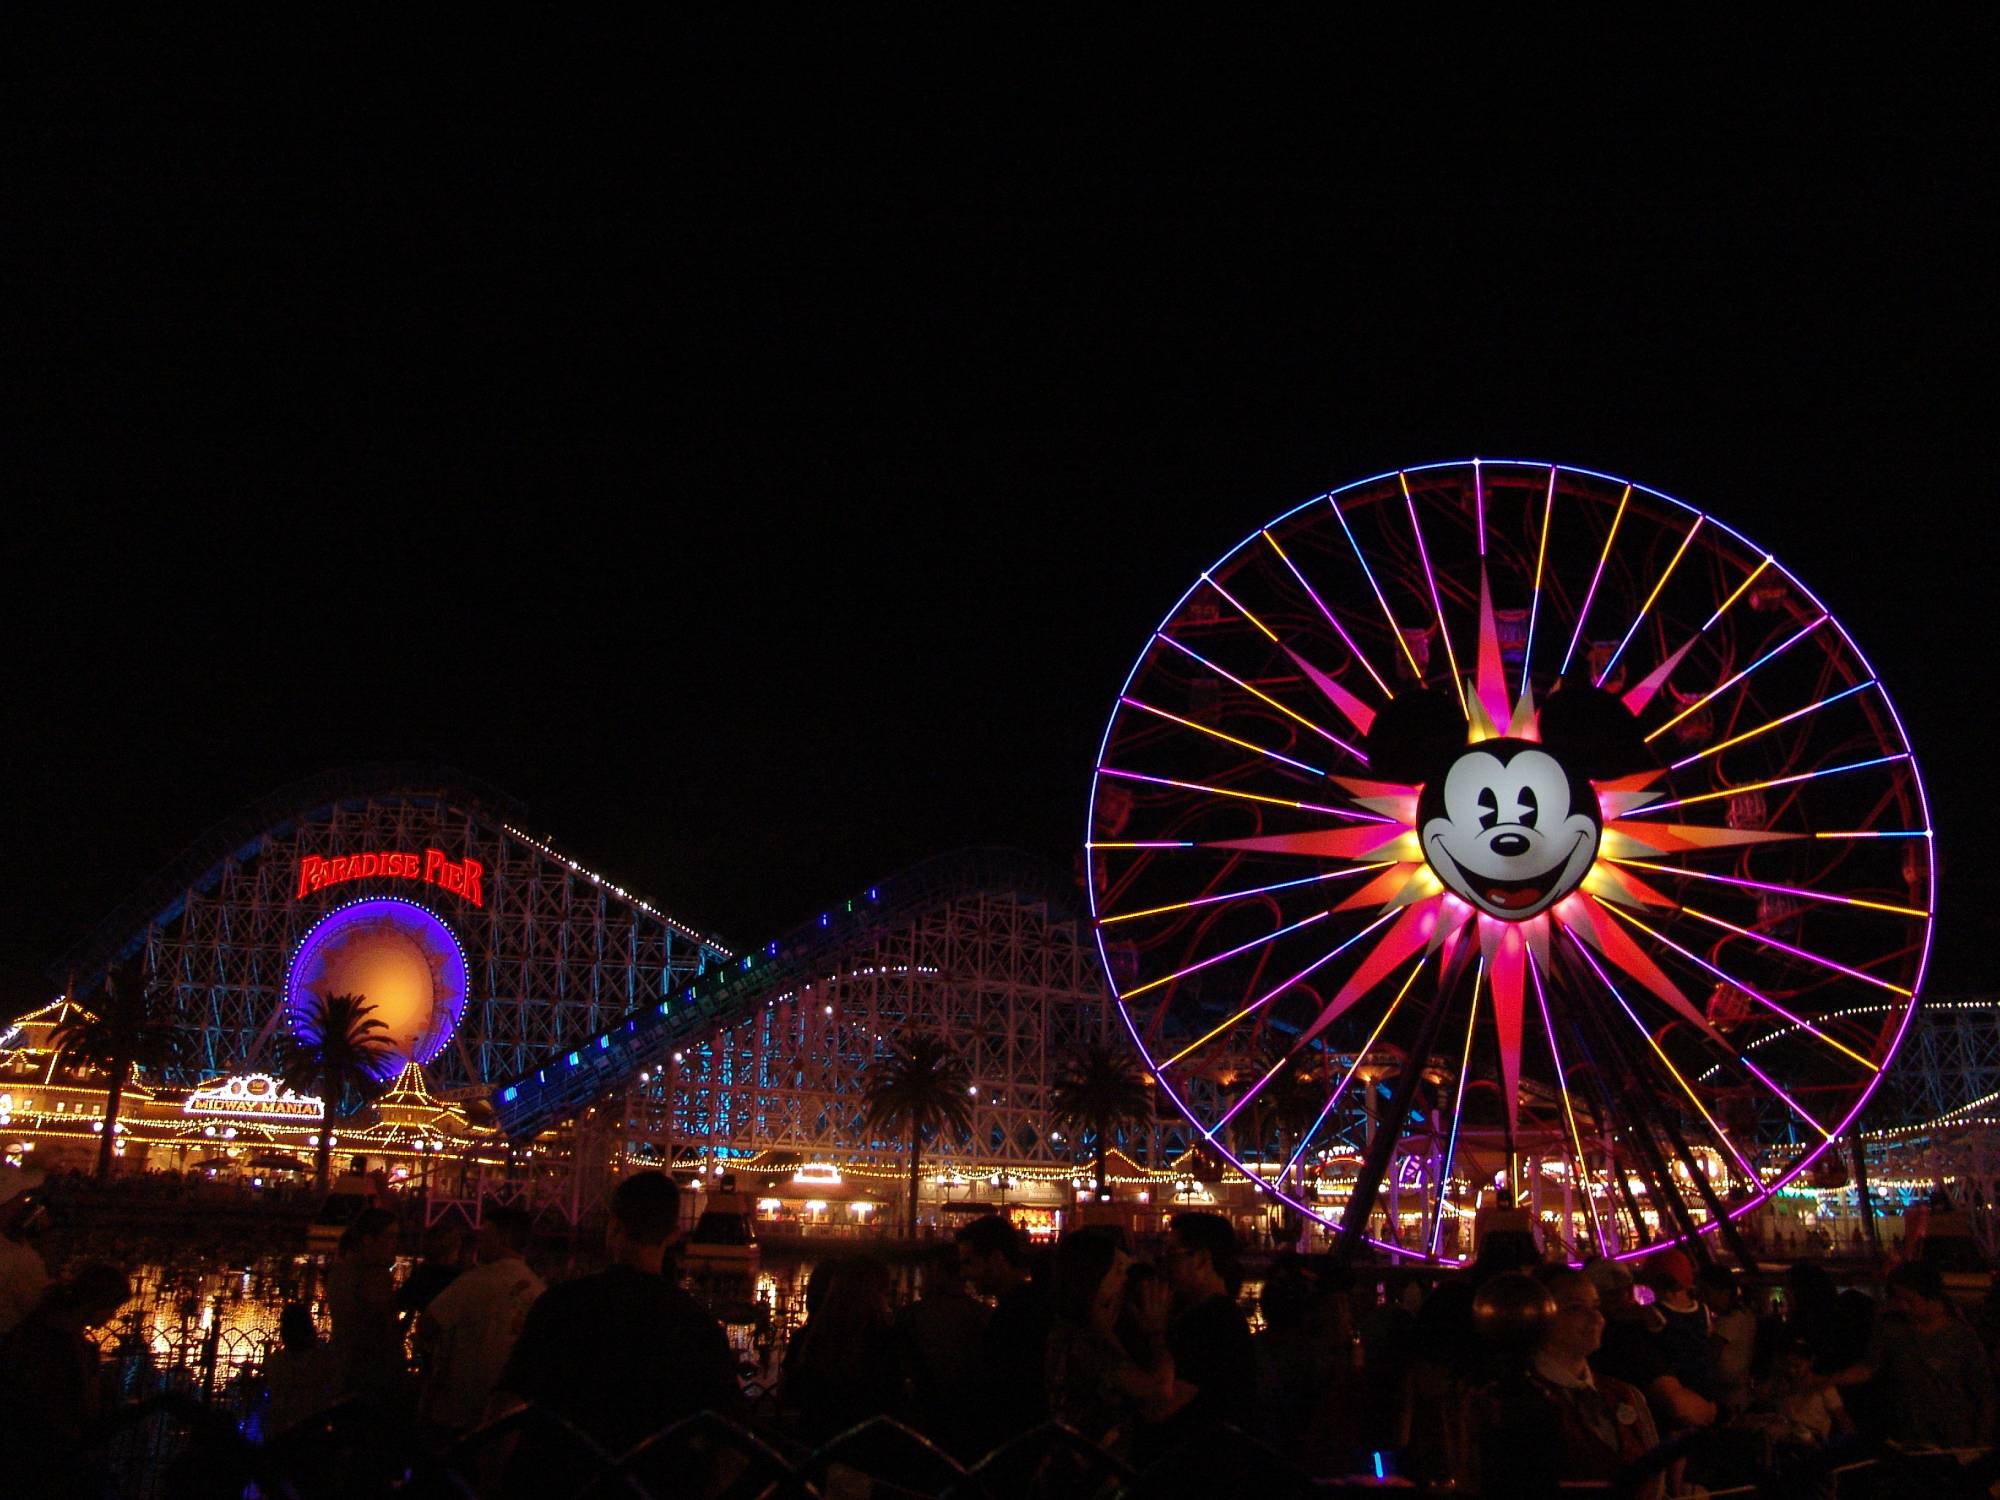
(403, 950)
(1339, 629)
(1535, 599)
(1161, 713)
(1735, 983)
(1765, 885)
(1751, 734)
(1757, 786)
(1605, 979)
(1809, 957)
(1775, 651)
(1595, 578)
(1368, 572)
(1216, 958)
(1253, 692)
(1437, 603)
(1633, 629)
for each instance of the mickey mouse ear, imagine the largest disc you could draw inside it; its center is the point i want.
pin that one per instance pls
(1593, 733)
(1413, 737)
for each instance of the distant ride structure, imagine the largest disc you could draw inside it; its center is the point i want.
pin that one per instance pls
(1501, 832)
(482, 947)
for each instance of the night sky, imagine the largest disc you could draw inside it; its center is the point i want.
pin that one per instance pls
(766, 460)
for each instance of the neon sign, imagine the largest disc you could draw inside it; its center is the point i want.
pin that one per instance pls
(461, 877)
(257, 1095)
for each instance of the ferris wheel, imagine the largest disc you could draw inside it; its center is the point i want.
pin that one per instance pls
(1500, 831)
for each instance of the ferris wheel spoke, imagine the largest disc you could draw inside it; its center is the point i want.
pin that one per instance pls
(1765, 885)
(1436, 1229)
(1750, 990)
(1437, 601)
(1633, 628)
(1268, 996)
(1596, 577)
(1264, 697)
(1793, 780)
(1221, 897)
(1723, 687)
(1659, 1052)
(1338, 629)
(1824, 962)
(1216, 958)
(1569, 1110)
(1228, 739)
(1232, 792)
(1777, 723)
(1353, 1068)
(1388, 614)
(1535, 597)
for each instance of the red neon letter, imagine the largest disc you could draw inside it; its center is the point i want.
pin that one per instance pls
(308, 871)
(434, 863)
(473, 870)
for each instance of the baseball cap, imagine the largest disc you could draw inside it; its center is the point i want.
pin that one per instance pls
(1670, 1268)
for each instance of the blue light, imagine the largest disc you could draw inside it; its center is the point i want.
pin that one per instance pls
(1379, 1474)
(874, 894)
(603, 1042)
(663, 1007)
(823, 919)
(572, 1059)
(510, 1095)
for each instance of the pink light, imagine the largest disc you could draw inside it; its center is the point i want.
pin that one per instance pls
(1666, 1062)
(1189, 651)
(1603, 557)
(1387, 614)
(1535, 599)
(1783, 719)
(1268, 996)
(1269, 937)
(1479, 504)
(1353, 1068)
(1338, 628)
(1758, 786)
(1813, 958)
(1765, 885)
(1776, 651)
(1771, 1084)
(1207, 579)
(1569, 1113)
(1437, 603)
(1217, 734)
(1457, 1113)
(1633, 629)
(1735, 983)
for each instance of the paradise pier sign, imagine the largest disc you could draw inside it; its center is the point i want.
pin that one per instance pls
(461, 876)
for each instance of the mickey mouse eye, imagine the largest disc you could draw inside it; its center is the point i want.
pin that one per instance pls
(1489, 807)
(1530, 808)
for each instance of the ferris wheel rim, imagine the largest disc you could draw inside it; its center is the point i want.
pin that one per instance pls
(1207, 1135)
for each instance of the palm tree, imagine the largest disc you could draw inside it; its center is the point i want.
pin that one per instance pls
(1289, 1105)
(920, 1087)
(337, 1048)
(120, 1036)
(1098, 1093)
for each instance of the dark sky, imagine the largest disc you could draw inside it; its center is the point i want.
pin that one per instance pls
(765, 458)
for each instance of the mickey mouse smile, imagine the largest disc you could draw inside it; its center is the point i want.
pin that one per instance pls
(1508, 828)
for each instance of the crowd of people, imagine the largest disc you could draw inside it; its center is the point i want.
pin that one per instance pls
(1510, 1379)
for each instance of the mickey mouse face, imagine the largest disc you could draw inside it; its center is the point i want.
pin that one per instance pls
(1508, 828)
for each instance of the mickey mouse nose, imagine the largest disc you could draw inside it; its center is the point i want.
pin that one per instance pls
(1508, 845)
